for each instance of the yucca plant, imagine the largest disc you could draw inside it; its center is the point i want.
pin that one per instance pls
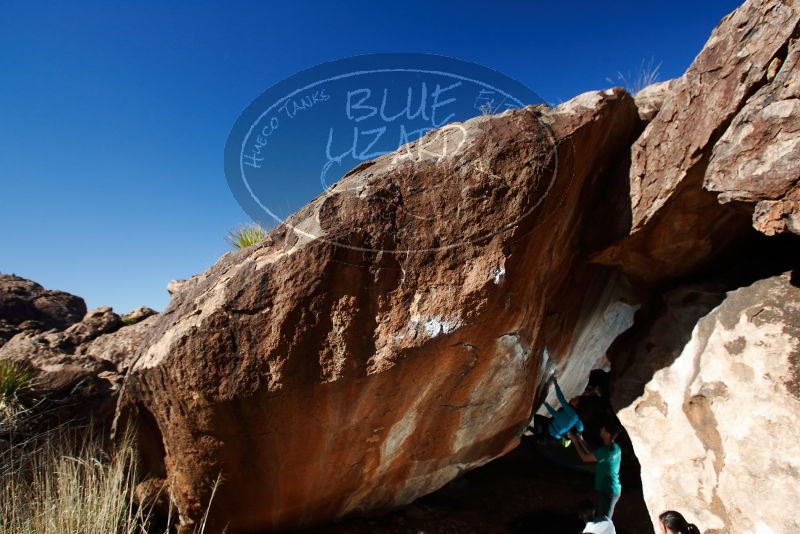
(15, 378)
(16, 381)
(245, 235)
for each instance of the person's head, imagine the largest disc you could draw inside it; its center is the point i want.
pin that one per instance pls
(575, 402)
(610, 431)
(671, 522)
(588, 513)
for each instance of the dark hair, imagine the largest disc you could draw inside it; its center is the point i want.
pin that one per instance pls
(677, 524)
(613, 427)
(588, 511)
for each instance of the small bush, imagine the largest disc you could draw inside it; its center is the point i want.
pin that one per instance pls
(16, 381)
(244, 236)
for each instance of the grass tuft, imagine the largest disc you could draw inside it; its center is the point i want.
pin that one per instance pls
(486, 109)
(648, 74)
(16, 381)
(244, 236)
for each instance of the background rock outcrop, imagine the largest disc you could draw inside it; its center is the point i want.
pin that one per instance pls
(729, 123)
(714, 427)
(25, 306)
(79, 363)
(756, 161)
(650, 99)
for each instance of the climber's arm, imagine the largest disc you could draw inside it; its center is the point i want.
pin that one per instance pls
(550, 409)
(578, 426)
(582, 449)
(560, 395)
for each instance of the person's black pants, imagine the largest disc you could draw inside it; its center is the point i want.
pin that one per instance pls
(541, 432)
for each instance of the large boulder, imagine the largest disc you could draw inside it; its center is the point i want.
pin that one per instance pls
(714, 424)
(389, 335)
(729, 124)
(27, 306)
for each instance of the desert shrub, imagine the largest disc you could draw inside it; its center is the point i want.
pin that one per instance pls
(15, 378)
(245, 235)
(16, 381)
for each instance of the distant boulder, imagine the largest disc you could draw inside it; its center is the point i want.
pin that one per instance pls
(27, 306)
(139, 314)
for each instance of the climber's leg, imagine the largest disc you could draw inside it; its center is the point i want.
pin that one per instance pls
(606, 504)
(540, 424)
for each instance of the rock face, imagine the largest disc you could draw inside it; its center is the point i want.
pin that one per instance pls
(27, 306)
(756, 160)
(389, 335)
(729, 123)
(120, 346)
(78, 382)
(714, 429)
(650, 99)
(660, 339)
(79, 368)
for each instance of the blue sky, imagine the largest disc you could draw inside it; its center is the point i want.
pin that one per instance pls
(114, 116)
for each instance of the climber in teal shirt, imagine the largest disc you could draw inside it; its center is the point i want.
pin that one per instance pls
(608, 459)
(564, 419)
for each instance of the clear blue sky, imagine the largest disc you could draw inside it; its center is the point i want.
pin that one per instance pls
(114, 116)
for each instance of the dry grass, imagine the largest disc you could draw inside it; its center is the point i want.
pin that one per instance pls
(64, 480)
(58, 484)
(61, 483)
(649, 73)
